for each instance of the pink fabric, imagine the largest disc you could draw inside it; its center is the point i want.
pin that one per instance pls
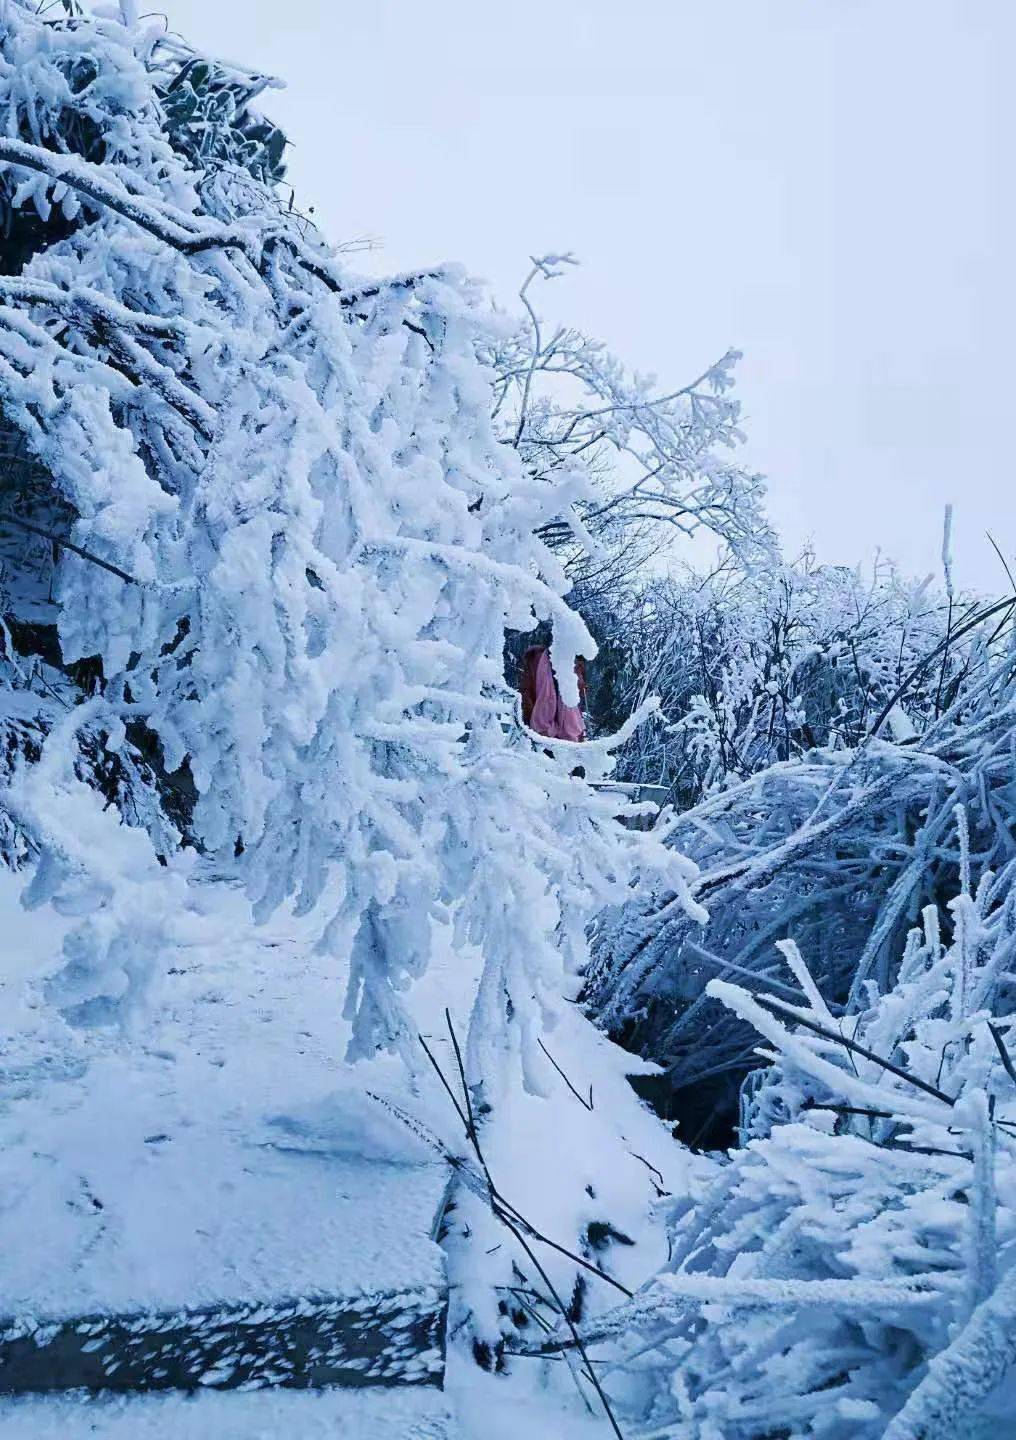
(550, 715)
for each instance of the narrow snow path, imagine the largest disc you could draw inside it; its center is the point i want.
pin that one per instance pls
(224, 1154)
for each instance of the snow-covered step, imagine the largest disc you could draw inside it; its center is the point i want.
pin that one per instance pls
(407, 1414)
(390, 1339)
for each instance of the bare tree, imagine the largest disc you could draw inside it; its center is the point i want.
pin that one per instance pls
(573, 411)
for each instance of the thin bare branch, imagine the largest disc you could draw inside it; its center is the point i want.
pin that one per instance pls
(19, 523)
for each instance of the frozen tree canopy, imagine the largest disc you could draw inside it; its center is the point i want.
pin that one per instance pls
(298, 538)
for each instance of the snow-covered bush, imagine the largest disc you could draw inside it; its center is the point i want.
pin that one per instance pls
(761, 663)
(837, 848)
(852, 1270)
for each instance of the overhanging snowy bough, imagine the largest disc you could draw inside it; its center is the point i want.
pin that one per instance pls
(283, 537)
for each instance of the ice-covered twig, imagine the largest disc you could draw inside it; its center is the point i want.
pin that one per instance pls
(174, 228)
(959, 1377)
(840, 1082)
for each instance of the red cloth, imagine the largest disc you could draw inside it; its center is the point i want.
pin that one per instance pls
(543, 710)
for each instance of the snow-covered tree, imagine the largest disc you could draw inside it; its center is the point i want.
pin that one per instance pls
(634, 467)
(760, 663)
(263, 541)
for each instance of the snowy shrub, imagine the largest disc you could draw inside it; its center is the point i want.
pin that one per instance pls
(761, 663)
(839, 848)
(852, 1270)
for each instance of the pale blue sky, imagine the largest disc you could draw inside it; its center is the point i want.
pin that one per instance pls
(824, 184)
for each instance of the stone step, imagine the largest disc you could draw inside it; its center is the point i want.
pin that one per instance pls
(254, 1266)
(388, 1339)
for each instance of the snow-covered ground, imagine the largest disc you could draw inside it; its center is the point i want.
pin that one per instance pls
(224, 1150)
(224, 1153)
